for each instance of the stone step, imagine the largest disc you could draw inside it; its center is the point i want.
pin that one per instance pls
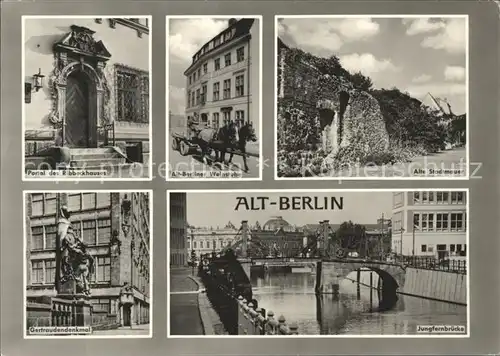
(97, 150)
(98, 163)
(93, 156)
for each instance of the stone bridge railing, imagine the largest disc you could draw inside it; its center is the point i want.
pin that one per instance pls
(253, 321)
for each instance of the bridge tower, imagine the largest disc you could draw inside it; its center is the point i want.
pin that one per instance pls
(323, 237)
(243, 259)
(244, 238)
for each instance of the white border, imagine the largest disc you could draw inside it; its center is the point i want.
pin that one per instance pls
(467, 128)
(150, 64)
(412, 336)
(167, 139)
(151, 271)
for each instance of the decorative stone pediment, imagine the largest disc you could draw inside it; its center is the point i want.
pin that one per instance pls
(80, 41)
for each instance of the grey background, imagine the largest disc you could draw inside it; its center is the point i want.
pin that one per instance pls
(484, 192)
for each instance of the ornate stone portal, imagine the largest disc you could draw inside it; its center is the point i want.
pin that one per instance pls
(78, 53)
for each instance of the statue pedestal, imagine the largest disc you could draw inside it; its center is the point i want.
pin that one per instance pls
(81, 307)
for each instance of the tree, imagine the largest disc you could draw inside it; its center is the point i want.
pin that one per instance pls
(361, 82)
(350, 236)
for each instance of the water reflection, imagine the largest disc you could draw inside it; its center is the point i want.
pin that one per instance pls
(358, 309)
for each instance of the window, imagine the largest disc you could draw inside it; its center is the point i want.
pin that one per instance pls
(50, 236)
(457, 222)
(43, 204)
(416, 197)
(442, 197)
(189, 80)
(240, 54)
(227, 60)
(37, 238)
(441, 247)
(132, 94)
(227, 116)
(452, 247)
(217, 64)
(37, 272)
(424, 225)
(425, 197)
(201, 244)
(103, 269)
(104, 231)
(240, 84)
(240, 118)
(204, 94)
(103, 200)
(194, 244)
(227, 89)
(221, 243)
(217, 42)
(101, 305)
(216, 91)
(50, 271)
(416, 221)
(431, 197)
(199, 73)
(430, 226)
(88, 201)
(214, 244)
(194, 77)
(430, 248)
(457, 197)
(424, 248)
(89, 233)
(192, 99)
(198, 96)
(216, 122)
(442, 222)
(205, 68)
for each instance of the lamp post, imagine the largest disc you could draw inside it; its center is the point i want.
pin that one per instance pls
(401, 230)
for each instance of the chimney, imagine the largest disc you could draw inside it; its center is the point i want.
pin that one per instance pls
(231, 22)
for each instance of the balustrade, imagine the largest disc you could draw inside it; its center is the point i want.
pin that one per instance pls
(253, 321)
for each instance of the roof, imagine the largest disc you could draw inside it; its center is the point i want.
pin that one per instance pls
(242, 28)
(275, 223)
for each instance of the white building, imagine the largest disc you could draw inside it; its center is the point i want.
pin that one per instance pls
(222, 82)
(205, 240)
(432, 223)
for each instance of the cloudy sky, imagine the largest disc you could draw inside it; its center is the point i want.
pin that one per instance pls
(417, 55)
(186, 36)
(216, 209)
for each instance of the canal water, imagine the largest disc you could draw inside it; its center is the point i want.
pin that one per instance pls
(354, 311)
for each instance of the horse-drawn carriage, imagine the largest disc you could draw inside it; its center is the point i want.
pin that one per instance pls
(202, 140)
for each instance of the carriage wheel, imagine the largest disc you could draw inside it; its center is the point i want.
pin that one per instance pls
(184, 149)
(175, 144)
(340, 253)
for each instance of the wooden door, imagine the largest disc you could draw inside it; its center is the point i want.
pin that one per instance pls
(77, 111)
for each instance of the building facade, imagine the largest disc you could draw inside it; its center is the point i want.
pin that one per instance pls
(203, 240)
(222, 82)
(178, 229)
(430, 223)
(87, 85)
(116, 229)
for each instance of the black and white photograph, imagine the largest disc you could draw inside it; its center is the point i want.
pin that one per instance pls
(363, 97)
(318, 263)
(86, 109)
(88, 269)
(214, 70)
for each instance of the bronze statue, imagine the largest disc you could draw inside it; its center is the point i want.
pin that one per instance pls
(76, 263)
